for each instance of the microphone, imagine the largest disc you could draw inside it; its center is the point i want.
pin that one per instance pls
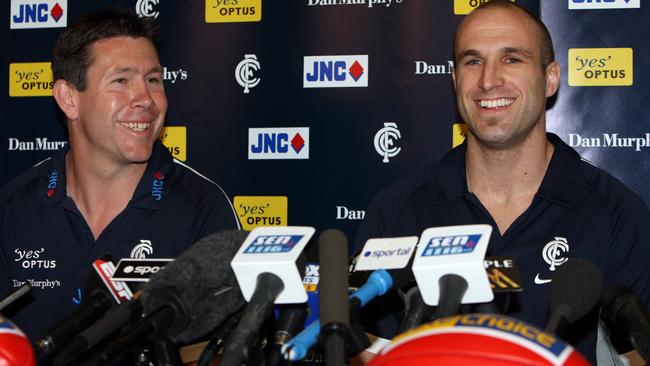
(216, 340)
(448, 267)
(22, 290)
(15, 349)
(379, 282)
(265, 267)
(575, 290)
(626, 312)
(96, 302)
(417, 312)
(189, 298)
(291, 319)
(333, 293)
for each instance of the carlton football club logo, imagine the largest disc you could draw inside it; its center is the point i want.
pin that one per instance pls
(145, 8)
(554, 254)
(385, 141)
(246, 71)
(142, 250)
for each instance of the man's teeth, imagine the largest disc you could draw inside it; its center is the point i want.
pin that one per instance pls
(495, 103)
(138, 127)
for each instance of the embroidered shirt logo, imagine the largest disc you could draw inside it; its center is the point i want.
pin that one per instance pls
(157, 186)
(52, 182)
(554, 253)
(142, 250)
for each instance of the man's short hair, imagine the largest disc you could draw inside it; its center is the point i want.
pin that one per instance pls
(546, 43)
(72, 54)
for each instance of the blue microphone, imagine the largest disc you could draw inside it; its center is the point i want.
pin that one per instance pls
(379, 282)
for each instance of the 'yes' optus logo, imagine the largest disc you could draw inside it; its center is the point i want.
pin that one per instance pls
(346, 71)
(255, 211)
(175, 140)
(31, 79)
(603, 4)
(27, 14)
(230, 11)
(601, 67)
(462, 7)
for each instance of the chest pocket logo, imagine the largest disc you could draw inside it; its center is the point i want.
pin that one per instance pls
(142, 250)
(554, 253)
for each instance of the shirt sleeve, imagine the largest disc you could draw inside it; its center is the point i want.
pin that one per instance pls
(629, 253)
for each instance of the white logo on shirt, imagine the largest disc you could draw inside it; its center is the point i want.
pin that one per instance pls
(142, 250)
(554, 253)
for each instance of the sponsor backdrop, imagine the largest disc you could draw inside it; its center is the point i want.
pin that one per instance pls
(303, 110)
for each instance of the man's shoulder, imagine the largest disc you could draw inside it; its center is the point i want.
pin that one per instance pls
(192, 182)
(614, 194)
(25, 182)
(415, 183)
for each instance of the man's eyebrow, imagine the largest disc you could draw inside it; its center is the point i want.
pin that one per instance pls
(128, 69)
(504, 51)
(468, 53)
(516, 51)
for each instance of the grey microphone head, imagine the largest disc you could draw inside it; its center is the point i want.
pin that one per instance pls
(577, 283)
(200, 285)
(333, 286)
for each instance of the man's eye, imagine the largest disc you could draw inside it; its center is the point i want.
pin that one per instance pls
(512, 60)
(153, 80)
(120, 81)
(473, 62)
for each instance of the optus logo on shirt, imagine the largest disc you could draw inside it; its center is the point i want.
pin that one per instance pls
(601, 66)
(30, 79)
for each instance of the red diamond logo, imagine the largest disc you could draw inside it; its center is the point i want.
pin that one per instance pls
(356, 70)
(158, 175)
(50, 192)
(297, 142)
(56, 12)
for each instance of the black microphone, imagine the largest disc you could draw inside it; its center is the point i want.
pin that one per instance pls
(267, 257)
(291, 319)
(333, 296)
(623, 309)
(116, 318)
(575, 290)
(15, 295)
(417, 311)
(97, 301)
(189, 297)
(217, 339)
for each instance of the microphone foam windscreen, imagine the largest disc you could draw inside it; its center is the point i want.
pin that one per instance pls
(202, 282)
(333, 286)
(577, 283)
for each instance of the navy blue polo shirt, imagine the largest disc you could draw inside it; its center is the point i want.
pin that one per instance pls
(45, 240)
(580, 209)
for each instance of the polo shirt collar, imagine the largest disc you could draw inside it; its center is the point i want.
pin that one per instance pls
(150, 193)
(563, 184)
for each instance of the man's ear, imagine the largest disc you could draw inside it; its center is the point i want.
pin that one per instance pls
(552, 78)
(66, 97)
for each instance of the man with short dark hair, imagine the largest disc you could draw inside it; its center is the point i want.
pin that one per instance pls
(115, 188)
(545, 204)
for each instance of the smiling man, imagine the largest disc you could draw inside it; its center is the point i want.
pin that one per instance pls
(545, 204)
(115, 188)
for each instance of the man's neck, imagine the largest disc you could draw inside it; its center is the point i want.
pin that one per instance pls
(506, 180)
(100, 190)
